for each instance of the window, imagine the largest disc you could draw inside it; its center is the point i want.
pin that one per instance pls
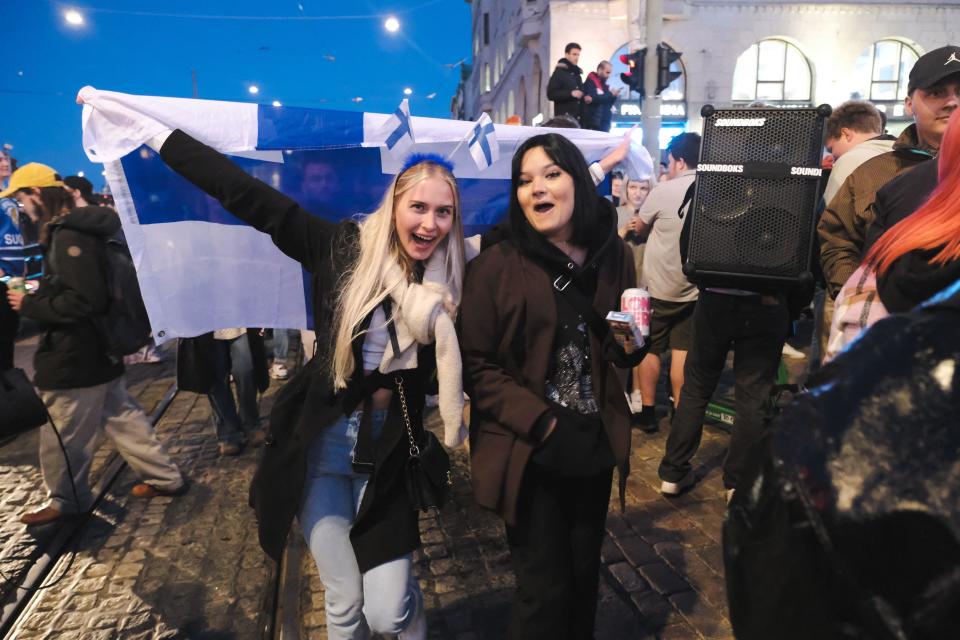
(486, 28)
(511, 103)
(496, 68)
(487, 85)
(773, 71)
(882, 70)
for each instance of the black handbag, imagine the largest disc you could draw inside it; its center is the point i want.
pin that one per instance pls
(21, 409)
(427, 471)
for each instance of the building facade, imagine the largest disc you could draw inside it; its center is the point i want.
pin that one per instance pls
(733, 52)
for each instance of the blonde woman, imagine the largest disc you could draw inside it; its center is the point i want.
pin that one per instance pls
(384, 288)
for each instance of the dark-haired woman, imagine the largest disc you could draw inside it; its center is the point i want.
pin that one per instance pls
(549, 417)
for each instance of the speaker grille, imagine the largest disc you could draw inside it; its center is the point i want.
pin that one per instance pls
(753, 226)
(751, 229)
(788, 136)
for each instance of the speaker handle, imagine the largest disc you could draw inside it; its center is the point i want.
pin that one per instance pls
(689, 269)
(824, 110)
(708, 110)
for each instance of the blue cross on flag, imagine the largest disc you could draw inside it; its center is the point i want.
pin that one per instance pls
(399, 132)
(483, 143)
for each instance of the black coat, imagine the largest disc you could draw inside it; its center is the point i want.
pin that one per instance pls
(899, 198)
(195, 358)
(911, 279)
(386, 525)
(565, 79)
(851, 495)
(72, 295)
(597, 114)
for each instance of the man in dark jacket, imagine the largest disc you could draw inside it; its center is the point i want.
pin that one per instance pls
(82, 386)
(597, 114)
(565, 88)
(934, 93)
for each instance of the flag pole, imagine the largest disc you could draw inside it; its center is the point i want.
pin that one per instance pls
(460, 144)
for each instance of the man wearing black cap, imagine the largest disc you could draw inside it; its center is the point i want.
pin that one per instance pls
(933, 94)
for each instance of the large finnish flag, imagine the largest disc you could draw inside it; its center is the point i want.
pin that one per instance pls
(201, 268)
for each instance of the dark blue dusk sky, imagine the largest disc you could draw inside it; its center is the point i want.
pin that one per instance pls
(151, 47)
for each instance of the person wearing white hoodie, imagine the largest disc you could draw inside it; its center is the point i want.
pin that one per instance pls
(854, 135)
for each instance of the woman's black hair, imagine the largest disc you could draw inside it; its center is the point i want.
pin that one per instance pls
(567, 156)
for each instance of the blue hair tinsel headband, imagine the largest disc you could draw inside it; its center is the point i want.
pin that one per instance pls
(417, 158)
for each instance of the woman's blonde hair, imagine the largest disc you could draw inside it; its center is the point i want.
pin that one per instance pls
(363, 287)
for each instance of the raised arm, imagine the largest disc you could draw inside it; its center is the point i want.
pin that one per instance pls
(298, 233)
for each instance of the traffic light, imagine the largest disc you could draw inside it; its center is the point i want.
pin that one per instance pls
(666, 56)
(633, 76)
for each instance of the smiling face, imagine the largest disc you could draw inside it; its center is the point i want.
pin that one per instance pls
(423, 216)
(931, 108)
(546, 195)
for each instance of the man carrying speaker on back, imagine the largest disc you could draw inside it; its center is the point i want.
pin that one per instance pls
(933, 93)
(755, 324)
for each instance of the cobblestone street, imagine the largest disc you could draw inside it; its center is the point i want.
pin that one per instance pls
(191, 567)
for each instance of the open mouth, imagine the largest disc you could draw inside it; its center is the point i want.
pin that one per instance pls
(543, 207)
(421, 241)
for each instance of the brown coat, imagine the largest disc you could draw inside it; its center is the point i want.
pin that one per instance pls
(843, 225)
(508, 322)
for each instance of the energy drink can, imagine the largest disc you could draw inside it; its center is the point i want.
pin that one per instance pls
(17, 284)
(637, 303)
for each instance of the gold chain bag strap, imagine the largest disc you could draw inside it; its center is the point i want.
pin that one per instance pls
(427, 471)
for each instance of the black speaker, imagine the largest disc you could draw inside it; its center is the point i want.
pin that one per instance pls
(754, 206)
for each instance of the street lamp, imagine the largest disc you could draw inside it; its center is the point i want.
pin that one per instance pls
(407, 91)
(73, 17)
(392, 24)
(253, 89)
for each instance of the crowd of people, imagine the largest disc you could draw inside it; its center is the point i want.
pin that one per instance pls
(520, 330)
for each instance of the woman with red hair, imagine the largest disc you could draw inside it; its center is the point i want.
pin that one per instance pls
(920, 255)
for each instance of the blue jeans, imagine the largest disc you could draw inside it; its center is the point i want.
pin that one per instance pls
(233, 356)
(385, 599)
(281, 345)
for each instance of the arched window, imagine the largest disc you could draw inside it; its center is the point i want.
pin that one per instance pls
(511, 103)
(883, 69)
(773, 71)
(496, 68)
(487, 86)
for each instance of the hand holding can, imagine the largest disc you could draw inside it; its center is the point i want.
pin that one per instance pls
(17, 284)
(637, 302)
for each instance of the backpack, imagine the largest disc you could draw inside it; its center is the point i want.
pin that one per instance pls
(125, 327)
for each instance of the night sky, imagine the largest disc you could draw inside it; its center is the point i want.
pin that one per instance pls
(284, 47)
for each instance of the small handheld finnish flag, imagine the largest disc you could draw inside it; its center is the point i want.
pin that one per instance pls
(399, 131)
(483, 143)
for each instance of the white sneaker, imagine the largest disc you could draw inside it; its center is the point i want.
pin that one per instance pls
(278, 371)
(790, 352)
(676, 488)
